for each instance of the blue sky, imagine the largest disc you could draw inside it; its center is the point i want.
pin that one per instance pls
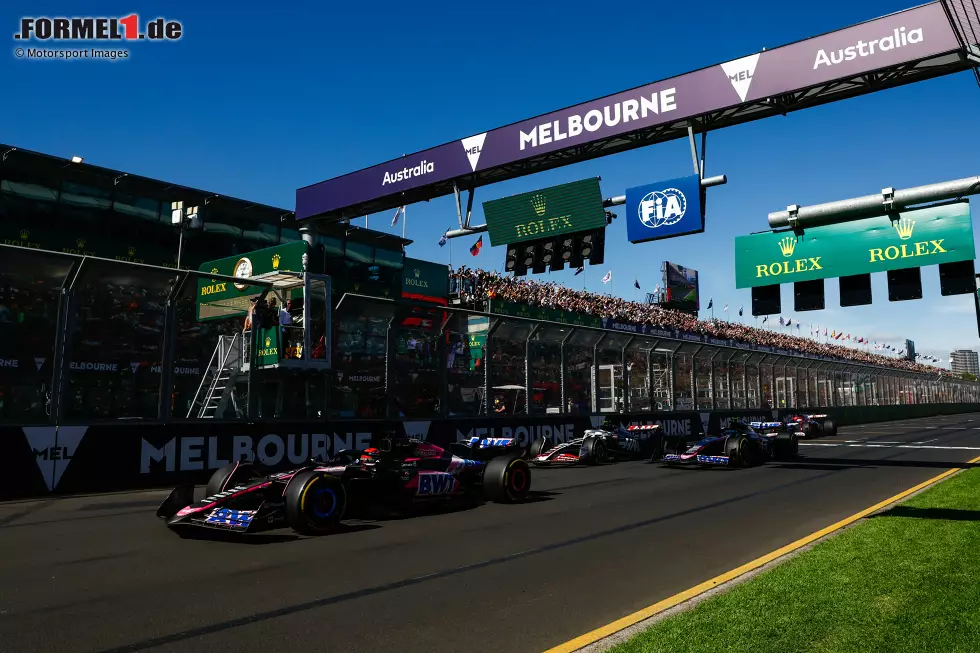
(256, 102)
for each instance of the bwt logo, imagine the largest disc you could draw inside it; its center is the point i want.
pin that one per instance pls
(662, 208)
(44, 28)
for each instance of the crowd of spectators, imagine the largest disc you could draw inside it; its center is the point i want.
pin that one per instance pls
(479, 285)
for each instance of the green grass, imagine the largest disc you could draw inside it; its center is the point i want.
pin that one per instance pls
(907, 581)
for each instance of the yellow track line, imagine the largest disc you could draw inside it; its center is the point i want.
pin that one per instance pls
(647, 612)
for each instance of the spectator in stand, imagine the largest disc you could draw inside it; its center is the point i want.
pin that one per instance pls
(478, 285)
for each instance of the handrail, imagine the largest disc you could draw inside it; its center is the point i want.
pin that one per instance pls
(204, 376)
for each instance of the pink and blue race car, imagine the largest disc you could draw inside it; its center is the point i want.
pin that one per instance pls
(739, 445)
(315, 497)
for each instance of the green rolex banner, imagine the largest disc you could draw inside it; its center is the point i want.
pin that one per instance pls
(930, 236)
(220, 299)
(269, 346)
(424, 278)
(567, 208)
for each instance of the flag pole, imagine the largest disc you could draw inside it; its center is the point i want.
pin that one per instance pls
(404, 220)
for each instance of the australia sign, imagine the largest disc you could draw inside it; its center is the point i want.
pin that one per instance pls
(655, 112)
(930, 236)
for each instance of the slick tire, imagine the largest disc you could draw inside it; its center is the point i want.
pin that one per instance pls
(829, 428)
(737, 450)
(315, 503)
(229, 476)
(659, 449)
(811, 430)
(593, 451)
(785, 447)
(506, 479)
(538, 447)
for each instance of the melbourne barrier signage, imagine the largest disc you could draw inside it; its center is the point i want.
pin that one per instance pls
(38, 460)
(914, 35)
(219, 299)
(941, 234)
(665, 209)
(547, 212)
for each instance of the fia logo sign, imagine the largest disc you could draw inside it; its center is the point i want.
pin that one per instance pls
(662, 208)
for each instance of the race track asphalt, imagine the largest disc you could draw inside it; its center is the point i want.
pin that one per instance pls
(101, 573)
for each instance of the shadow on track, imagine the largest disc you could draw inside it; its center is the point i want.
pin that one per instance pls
(809, 463)
(297, 608)
(362, 521)
(214, 535)
(948, 514)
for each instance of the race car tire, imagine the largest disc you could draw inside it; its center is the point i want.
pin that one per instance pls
(811, 430)
(593, 451)
(315, 502)
(659, 449)
(736, 448)
(829, 428)
(228, 476)
(785, 447)
(506, 479)
(538, 447)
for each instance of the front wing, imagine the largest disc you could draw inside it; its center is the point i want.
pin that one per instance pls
(265, 517)
(563, 454)
(695, 459)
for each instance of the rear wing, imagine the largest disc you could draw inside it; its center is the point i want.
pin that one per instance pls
(767, 425)
(643, 427)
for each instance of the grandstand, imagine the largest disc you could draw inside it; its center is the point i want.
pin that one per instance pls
(501, 347)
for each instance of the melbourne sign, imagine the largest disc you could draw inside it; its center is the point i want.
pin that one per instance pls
(914, 35)
(567, 208)
(942, 234)
(665, 209)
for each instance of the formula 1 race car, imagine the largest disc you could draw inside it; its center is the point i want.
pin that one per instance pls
(484, 448)
(812, 426)
(609, 442)
(740, 445)
(315, 497)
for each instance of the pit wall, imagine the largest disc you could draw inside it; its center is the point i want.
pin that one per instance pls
(38, 461)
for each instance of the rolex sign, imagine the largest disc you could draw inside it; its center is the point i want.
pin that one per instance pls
(424, 278)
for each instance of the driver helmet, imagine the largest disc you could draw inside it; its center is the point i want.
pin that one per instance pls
(370, 454)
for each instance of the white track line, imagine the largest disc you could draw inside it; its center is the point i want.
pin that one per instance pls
(888, 446)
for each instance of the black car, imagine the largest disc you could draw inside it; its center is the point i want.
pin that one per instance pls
(610, 442)
(812, 426)
(739, 445)
(313, 498)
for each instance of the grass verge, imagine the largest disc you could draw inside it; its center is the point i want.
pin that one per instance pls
(907, 579)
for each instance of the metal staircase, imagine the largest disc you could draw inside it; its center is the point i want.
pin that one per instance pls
(217, 385)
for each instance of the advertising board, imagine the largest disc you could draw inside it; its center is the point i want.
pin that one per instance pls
(664, 209)
(220, 299)
(575, 133)
(929, 236)
(566, 208)
(681, 287)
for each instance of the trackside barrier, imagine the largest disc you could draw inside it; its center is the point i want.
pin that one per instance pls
(41, 460)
